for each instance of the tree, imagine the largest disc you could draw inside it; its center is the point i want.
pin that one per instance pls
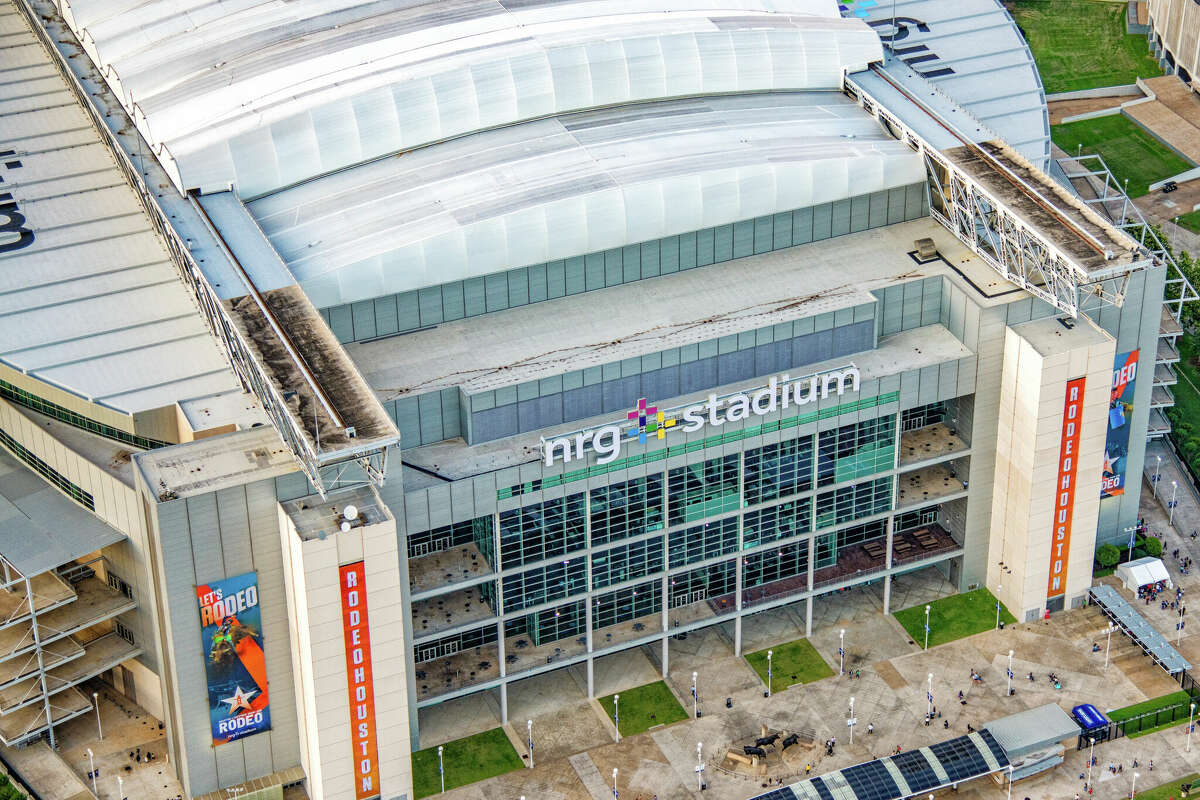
(1152, 546)
(1108, 555)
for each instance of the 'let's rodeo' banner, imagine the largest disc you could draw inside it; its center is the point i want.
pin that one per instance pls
(231, 637)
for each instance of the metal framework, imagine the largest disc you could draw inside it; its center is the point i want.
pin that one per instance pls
(1098, 187)
(54, 695)
(251, 373)
(1016, 250)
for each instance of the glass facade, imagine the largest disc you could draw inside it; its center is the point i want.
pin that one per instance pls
(546, 530)
(32, 401)
(626, 509)
(769, 508)
(71, 489)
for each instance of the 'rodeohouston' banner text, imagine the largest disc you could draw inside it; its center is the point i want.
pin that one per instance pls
(231, 636)
(1064, 496)
(359, 681)
(1120, 409)
(780, 393)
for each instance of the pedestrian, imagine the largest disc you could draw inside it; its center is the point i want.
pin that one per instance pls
(808, 769)
(870, 727)
(1151, 765)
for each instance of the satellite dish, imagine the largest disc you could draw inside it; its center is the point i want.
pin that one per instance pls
(345, 526)
(351, 512)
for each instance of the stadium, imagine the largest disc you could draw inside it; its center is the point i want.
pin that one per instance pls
(392, 356)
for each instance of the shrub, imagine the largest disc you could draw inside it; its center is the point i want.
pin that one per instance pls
(1108, 555)
(1152, 546)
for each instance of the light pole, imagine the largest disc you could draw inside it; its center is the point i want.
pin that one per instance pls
(1133, 787)
(1010, 770)
(96, 704)
(1173, 503)
(1191, 714)
(699, 767)
(1010, 655)
(695, 697)
(120, 788)
(1132, 529)
(1179, 626)
(616, 724)
(529, 738)
(842, 652)
(1091, 749)
(850, 722)
(929, 697)
(1108, 646)
(441, 769)
(616, 794)
(770, 653)
(92, 765)
(1157, 467)
(927, 626)
(998, 588)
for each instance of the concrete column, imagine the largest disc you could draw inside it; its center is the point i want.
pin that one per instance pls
(666, 624)
(591, 659)
(887, 594)
(808, 606)
(739, 566)
(500, 654)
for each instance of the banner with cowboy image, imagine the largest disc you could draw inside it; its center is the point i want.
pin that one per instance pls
(231, 636)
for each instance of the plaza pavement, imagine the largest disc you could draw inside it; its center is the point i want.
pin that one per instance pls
(890, 694)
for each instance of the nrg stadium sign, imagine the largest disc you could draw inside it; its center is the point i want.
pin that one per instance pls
(780, 393)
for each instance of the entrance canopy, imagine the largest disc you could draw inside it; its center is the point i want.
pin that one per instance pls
(1143, 572)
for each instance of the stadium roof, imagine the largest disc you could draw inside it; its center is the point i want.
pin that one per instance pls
(265, 95)
(91, 303)
(565, 186)
(973, 52)
(905, 775)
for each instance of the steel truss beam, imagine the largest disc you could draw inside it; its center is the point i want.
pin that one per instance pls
(994, 232)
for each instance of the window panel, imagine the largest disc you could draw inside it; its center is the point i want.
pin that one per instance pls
(852, 502)
(777, 522)
(779, 470)
(699, 542)
(856, 450)
(545, 584)
(703, 490)
(627, 562)
(626, 509)
(778, 563)
(545, 530)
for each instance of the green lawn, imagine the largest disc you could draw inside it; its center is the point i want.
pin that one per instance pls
(1079, 44)
(792, 663)
(474, 758)
(1171, 789)
(1191, 221)
(644, 707)
(1128, 150)
(953, 617)
(1146, 706)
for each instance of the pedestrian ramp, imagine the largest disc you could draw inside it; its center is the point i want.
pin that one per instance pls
(1135, 626)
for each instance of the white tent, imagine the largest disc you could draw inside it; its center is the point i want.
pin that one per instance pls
(1142, 572)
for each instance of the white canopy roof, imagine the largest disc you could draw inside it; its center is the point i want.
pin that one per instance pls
(266, 94)
(582, 183)
(1142, 572)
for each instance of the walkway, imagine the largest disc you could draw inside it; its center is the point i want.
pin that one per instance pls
(1173, 117)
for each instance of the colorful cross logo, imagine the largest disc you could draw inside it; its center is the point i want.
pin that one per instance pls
(649, 420)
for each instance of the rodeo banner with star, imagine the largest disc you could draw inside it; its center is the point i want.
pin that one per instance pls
(231, 636)
(1120, 410)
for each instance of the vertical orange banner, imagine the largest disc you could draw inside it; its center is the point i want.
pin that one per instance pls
(1064, 496)
(359, 681)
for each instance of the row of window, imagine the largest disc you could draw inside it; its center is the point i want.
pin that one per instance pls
(72, 490)
(32, 401)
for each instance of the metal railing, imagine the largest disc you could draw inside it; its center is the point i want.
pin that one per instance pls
(245, 365)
